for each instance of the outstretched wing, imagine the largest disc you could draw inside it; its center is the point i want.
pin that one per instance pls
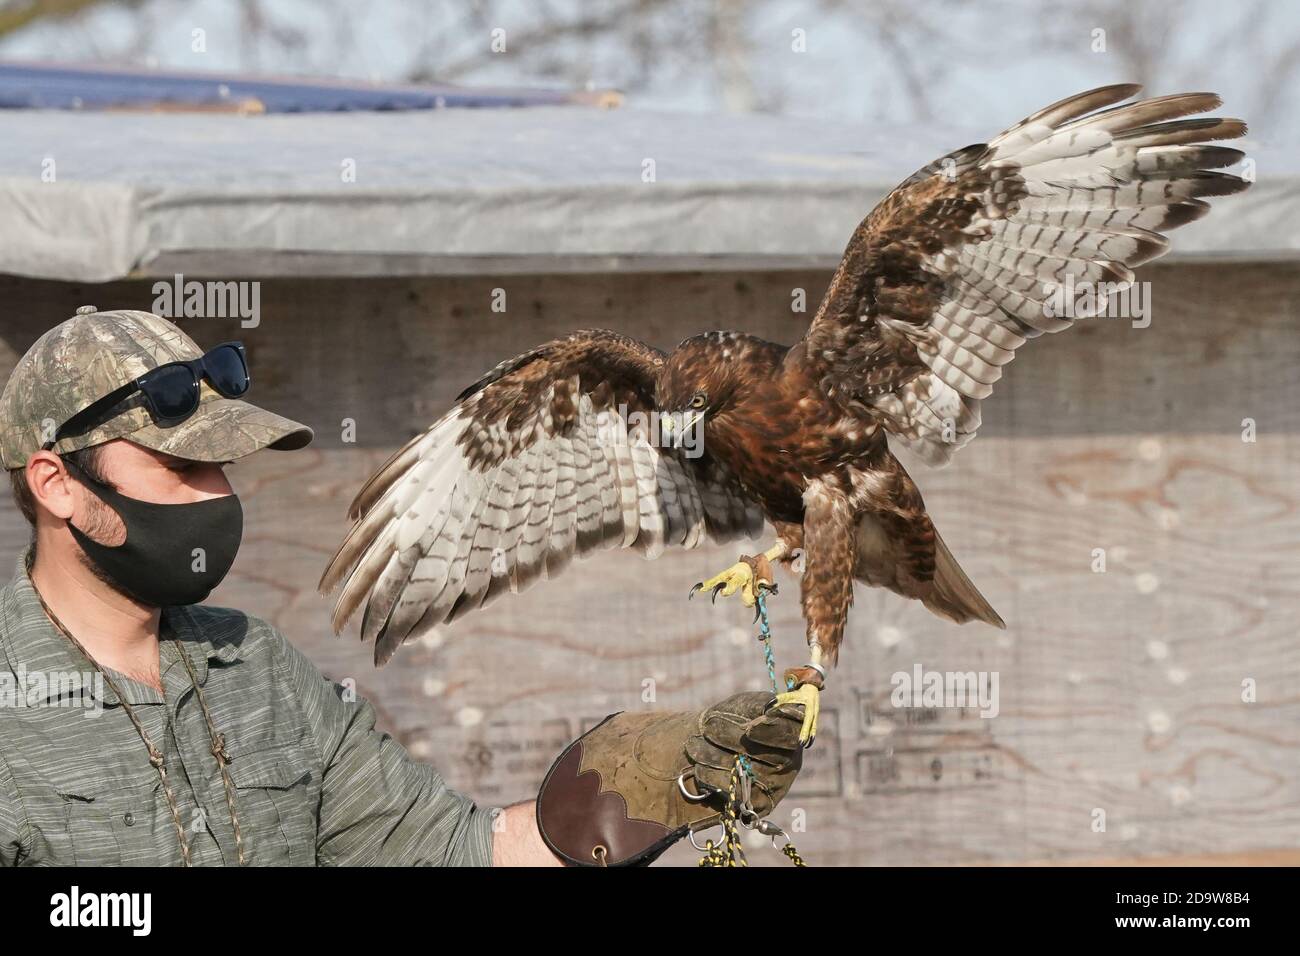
(544, 458)
(997, 243)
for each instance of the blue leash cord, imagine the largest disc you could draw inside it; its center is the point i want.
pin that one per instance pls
(765, 635)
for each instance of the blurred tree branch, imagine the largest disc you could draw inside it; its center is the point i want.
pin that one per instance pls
(889, 61)
(16, 15)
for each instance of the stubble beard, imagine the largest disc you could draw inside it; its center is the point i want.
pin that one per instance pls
(102, 524)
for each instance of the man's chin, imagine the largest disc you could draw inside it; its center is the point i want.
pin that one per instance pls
(102, 576)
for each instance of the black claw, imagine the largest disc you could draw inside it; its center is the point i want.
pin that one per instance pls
(770, 704)
(699, 586)
(716, 589)
(808, 745)
(755, 613)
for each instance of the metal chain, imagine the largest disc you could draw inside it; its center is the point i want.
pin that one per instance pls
(730, 852)
(156, 758)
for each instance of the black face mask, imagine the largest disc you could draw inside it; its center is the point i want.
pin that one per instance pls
(173, 554)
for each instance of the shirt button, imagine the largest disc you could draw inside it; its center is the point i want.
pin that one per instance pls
(129, 819)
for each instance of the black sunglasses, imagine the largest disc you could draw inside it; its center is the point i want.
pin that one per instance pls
(171, 391)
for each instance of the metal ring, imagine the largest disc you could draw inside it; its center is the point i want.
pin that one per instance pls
(692, 797)
(690, 835)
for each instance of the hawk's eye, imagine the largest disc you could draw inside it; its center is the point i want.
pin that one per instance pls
(699, 400)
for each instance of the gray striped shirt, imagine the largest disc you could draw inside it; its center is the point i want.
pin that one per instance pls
(315, 782)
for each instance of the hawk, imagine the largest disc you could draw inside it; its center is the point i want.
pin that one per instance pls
(555, 453)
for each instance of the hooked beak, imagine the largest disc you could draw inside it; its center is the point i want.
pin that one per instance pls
(669, 427)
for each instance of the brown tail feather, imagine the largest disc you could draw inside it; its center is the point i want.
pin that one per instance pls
(953, 595)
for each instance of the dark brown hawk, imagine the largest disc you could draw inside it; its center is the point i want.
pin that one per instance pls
(554, 454)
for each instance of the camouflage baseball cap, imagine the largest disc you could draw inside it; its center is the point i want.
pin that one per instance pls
(93, 353)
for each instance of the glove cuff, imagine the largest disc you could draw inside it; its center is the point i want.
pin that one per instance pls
(586, 823)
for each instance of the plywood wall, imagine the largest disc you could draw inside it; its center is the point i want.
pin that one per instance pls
(1119, 692)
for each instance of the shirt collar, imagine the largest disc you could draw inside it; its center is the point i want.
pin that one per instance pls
(32, 642)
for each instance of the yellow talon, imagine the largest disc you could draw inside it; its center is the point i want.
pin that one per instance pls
(738, 577)
(748, 576)
(810, 697)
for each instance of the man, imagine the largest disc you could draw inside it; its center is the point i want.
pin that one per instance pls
(141, 727)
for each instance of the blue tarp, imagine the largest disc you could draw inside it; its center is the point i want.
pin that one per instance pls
(38, 86)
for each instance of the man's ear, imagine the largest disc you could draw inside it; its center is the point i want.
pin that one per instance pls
(51, 486)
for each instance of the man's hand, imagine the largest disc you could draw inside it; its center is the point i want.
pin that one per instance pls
(632, 786)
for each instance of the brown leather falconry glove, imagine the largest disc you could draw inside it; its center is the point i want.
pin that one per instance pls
(617, 796)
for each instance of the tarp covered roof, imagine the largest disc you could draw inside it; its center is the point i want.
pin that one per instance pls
(68, 86)
(94, 196)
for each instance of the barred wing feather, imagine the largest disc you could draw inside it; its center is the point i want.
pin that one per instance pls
(997, 243)
(539, 462)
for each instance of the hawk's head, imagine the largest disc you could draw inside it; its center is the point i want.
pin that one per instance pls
(703, 377)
